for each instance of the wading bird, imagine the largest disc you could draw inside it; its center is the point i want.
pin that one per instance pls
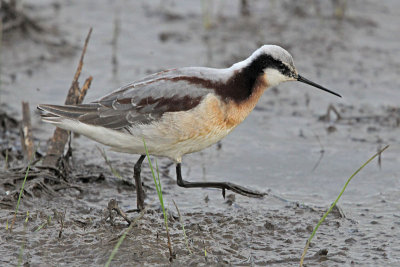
(179, 111)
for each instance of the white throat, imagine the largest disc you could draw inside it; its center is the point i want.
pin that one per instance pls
(274, 77)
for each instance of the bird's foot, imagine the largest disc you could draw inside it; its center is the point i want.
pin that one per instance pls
(241, 190)
(224, 186)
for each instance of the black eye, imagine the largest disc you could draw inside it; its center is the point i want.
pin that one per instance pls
(284, 69)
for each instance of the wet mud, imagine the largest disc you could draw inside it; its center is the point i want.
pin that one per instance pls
(299, 145)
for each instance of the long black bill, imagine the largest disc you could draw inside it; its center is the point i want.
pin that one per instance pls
(304, 80)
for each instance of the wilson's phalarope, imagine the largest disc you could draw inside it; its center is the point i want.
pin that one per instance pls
(179, 111)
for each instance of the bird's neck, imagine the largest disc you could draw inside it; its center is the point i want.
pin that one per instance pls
(246, 77)
(236, 111)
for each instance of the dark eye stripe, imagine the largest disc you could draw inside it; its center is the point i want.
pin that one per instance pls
(267, 61)
(284, 69)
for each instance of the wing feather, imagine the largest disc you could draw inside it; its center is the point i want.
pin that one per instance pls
(144, 101)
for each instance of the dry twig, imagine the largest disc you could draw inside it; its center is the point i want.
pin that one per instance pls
(26, 132)
(75, 96)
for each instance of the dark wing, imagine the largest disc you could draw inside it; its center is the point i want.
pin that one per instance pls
(144, 101)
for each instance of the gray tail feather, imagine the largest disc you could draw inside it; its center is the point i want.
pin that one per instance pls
(50, 112)
(92, 114)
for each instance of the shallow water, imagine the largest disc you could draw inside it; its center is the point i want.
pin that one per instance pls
(277, 149)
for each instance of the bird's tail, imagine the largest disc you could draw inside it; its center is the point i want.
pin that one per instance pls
(56, 114)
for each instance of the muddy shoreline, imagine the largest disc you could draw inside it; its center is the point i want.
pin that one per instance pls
(291, 146)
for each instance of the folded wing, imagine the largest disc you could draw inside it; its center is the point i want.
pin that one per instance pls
(141, 102)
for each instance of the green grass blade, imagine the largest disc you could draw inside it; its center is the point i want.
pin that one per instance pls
(20, 254)
(158, 185)
(20, 195)
(108, 162)
(158, 176)
(151, 166)
(183, 228)
(334, 203)
(27, 217)
(43, 224)
(160, 196)
(22, 188)
(121, 239)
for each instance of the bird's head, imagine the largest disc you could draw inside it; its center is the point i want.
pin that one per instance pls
(277, 65)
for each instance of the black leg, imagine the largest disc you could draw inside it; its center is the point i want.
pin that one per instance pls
(138, 182)
(228, 186)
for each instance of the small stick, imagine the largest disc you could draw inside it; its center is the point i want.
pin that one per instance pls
(26, 132)
(244, 8)
(62, 217)
(74, 96)
(379, 158)
(322, 151)
(84, 89)
(114, 43)
(74, 92)
(113, 205)
(327, 116)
